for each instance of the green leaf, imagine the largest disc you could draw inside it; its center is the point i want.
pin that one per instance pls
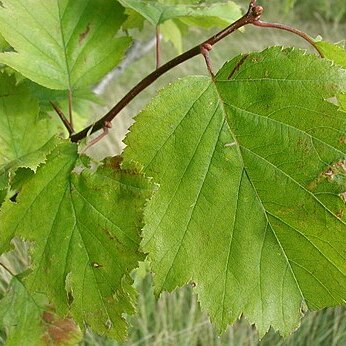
(3, 44)
(157, 13)
(171, 32)
(27, 318)
(63, 44)
(134, 20)
(24, 134)
(337, 54)
(334, 52)
(22, 130)
(250, 205)
(85, 228)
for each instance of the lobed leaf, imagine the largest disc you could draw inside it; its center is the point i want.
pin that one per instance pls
(85, 228)
(250, 206)
(63, 44)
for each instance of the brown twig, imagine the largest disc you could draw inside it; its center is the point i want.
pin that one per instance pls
(70, 108)
(105, 132)
(63, 118)
(158, 47)
(252, 16)
(254, 12)
(289, 29)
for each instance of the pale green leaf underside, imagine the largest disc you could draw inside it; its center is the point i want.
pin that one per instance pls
(63, 44)
(247, 208)
(85, 228)
(157, 13)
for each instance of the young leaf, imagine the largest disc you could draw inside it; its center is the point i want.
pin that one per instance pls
(85, 228)
(63, 44)
(26, 317)
(246, 206)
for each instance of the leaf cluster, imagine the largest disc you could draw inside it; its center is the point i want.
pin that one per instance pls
(235, 183)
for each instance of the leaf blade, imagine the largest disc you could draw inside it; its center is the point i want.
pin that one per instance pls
(241, 168)
(84, 248)
(63, 44)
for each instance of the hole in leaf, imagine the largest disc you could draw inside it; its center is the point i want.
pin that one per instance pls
(109, 324)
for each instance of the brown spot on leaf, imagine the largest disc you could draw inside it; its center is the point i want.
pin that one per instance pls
(114, 162)
(342, 139)
(70, 298)
(59, 331)
(48, 316)
(237, 67)
(339, 214)
(108, 233)
(84, 34)
(343, 196)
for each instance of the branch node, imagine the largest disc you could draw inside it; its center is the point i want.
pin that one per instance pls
(205, 49)
(257, 11)
(106, 126)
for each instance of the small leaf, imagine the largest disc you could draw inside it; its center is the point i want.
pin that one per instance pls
(244, 208)
(63, 44)
(86, 233)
